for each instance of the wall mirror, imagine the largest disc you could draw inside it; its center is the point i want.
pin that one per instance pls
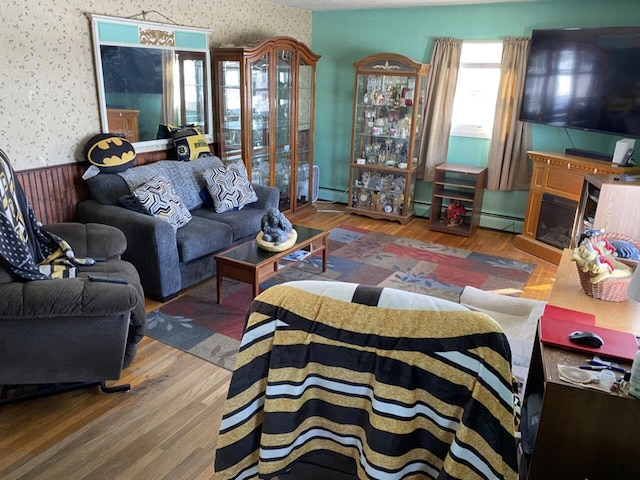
(150, 74)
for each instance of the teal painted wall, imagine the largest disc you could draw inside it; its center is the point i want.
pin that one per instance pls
(343, 37)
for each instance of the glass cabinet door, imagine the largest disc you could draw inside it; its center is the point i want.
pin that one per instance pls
(283, 119)
(304, 178)
(260, 107)
(230, 112)
(383, 124)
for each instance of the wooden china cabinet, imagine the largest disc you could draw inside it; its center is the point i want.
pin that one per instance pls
(264, 100)
(388, 102)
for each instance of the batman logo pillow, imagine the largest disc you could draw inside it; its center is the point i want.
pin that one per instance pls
(110, 153)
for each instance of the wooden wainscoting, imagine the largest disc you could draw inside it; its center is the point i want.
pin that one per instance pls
(54, 192)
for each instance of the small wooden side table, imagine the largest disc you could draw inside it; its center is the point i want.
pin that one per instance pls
(250, 264)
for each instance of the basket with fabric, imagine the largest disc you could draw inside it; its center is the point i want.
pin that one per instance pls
(603, 273)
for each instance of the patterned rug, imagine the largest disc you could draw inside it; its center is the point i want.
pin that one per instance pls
(195, 323)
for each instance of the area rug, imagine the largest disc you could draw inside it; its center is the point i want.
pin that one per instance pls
(197, 324)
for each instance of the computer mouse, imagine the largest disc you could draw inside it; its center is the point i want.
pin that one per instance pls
(588, 339)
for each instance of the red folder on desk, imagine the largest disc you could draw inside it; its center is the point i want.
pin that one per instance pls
(557, 323)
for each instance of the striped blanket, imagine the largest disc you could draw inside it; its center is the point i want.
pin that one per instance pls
(405, 393)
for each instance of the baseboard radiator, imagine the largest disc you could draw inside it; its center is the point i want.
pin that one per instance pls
(491, 220)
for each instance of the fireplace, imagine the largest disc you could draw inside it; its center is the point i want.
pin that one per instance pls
(555, 223)
(562, 177)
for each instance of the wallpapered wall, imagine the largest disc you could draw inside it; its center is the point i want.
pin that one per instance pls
(48, 95)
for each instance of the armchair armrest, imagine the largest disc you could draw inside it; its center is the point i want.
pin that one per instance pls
(63, 298)
(92, 239)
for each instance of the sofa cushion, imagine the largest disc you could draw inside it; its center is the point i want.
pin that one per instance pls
(202, 237)
(229, 187)
(159, 199)
(242, 222)
(108, 188)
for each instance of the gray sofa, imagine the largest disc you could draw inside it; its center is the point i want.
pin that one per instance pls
(170, 260)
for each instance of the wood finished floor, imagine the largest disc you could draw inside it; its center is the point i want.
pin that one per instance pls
(166, 426)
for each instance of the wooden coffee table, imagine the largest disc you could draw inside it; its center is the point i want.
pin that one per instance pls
(250, 264)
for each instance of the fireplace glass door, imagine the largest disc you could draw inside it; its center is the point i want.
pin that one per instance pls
(557, 216)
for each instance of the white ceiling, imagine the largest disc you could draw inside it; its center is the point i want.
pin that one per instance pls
(316, 5)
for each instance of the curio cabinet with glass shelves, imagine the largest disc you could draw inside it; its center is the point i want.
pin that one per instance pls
(264, 114)
(387, 112)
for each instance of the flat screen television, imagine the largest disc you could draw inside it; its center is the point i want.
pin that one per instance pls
(584, 78)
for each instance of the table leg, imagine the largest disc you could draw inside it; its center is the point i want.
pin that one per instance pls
(219, 285)
(256, 285)
(324, 255)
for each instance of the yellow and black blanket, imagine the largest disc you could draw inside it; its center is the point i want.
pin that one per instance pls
(407, 394)
(26, 250)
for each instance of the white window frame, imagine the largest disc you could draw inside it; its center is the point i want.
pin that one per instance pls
(472, 63)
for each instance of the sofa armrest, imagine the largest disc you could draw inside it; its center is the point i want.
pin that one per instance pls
(151, 245)
(92, 239)
(268, 197)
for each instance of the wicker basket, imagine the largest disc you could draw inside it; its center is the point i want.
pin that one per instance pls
(610, 289)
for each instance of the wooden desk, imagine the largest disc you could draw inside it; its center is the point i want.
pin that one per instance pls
(583, 433)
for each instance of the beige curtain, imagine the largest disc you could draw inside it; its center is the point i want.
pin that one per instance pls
(169, 111)
(508, 167)
(436, 121)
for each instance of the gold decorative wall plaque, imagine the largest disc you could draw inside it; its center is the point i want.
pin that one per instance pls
(151, 36)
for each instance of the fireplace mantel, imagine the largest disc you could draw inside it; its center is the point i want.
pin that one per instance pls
(562, 175)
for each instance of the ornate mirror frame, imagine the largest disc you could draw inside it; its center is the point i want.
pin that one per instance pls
(132, 60)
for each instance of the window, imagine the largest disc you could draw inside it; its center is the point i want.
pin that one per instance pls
(476, 89)
(191, 87)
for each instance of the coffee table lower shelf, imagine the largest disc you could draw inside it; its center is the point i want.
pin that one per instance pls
(250, 264)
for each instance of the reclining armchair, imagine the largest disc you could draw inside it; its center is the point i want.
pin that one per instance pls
(77, 330)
